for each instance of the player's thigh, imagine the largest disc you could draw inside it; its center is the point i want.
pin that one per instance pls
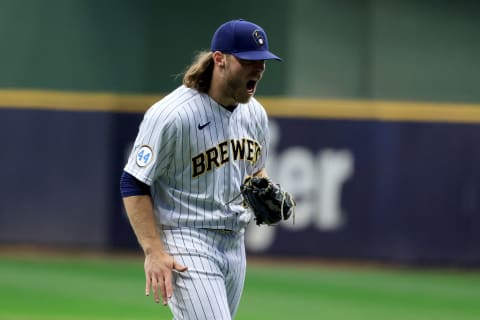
(200, 292)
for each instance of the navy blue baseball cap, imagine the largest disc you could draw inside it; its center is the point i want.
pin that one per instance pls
(243, 39)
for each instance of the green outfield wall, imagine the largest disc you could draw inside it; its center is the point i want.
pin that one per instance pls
(390, 49)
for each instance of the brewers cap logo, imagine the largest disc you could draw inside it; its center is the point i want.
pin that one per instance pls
(144, 156)
(258, 37)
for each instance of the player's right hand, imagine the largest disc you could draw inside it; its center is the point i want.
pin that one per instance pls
(158, 274)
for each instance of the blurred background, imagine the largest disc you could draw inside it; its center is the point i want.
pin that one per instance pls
(375, 120)
(375, 123)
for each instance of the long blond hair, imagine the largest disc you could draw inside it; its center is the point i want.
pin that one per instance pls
(199, 74)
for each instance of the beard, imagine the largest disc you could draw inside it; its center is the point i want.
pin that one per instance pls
(237, 89)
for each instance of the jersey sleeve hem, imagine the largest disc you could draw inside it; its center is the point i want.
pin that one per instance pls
(148, 181)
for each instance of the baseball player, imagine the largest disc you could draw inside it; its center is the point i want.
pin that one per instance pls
(181, 185)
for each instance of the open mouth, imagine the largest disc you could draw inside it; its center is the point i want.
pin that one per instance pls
(251, 84)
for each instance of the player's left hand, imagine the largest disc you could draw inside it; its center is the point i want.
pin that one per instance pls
(269, 202)
(158, 274)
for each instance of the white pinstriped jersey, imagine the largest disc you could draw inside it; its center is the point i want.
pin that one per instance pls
(194, 154)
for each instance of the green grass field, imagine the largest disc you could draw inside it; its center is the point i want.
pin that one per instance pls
(58, 288)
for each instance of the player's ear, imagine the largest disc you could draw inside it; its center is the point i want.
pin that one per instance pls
(219, 58)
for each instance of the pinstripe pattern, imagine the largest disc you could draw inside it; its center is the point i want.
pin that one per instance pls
(213, 284)
(195, 154)
(211, 199)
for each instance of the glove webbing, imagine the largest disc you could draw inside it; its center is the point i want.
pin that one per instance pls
(284, 196)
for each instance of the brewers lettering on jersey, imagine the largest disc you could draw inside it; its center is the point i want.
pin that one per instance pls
(244, 149)
(181, 184)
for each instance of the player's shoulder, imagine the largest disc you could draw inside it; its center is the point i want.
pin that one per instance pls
(176, 99)
(257, 104)
(255, 109)
(168, 106)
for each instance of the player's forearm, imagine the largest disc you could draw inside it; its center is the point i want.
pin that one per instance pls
(140, 213)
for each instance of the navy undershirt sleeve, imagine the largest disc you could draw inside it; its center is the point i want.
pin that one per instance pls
(131, 186)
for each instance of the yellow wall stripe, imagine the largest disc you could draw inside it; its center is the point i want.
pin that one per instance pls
(373, 110)
(276, 106)
(76, 101)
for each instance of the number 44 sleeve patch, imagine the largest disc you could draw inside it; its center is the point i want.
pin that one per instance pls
(144, 156)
